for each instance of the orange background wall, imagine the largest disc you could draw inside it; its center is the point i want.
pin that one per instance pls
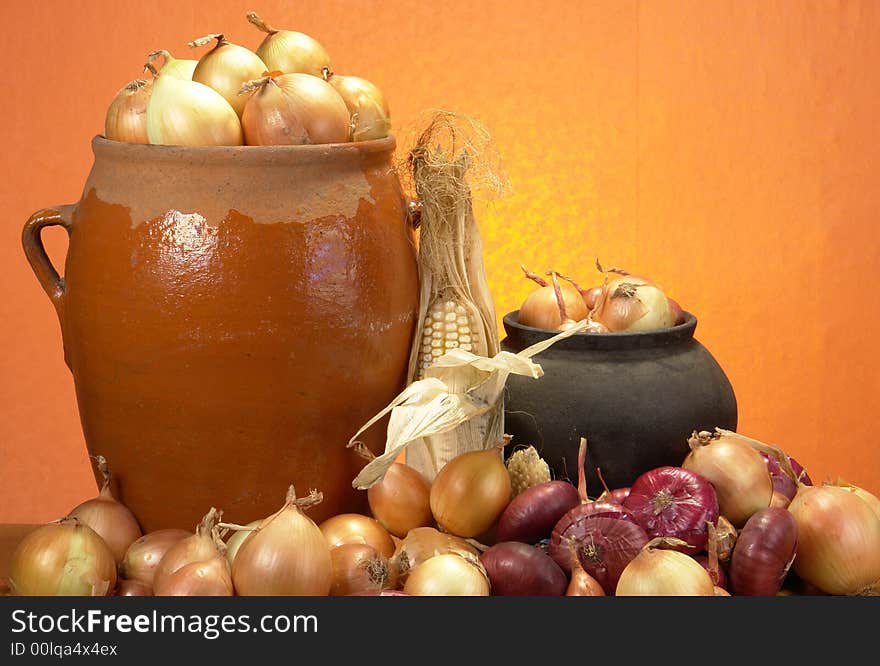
(726, 149)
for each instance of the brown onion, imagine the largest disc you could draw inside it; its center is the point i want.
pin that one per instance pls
(581, 584)
(838, 540)
(144, 555)
(872, 500)
(764, 551)
(287, 555)
(401, 499)
(64, 558)
(226, 68)
(126, 118)
(630, 303)
(358, 567)
(470, 492)
(356, 528)
(658, 571)
(736, 471)
(205, 578)
(370, 116)
(293, 109)
(551, 307)
(200, 546)
(112, 520)
(289, 51)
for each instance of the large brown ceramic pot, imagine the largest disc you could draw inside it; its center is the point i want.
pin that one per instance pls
(231, 317)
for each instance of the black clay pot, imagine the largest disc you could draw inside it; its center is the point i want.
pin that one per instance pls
(636, 397)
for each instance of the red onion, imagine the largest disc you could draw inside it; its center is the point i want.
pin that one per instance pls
(782, 482)
(764, 552)
(605, 546)
(518, 569)
(574, 525)
(674, 502)
(531, 515)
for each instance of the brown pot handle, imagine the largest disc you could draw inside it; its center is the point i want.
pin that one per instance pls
(32, 241)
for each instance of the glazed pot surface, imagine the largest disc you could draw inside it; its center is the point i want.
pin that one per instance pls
(231, 317)
(635, 397)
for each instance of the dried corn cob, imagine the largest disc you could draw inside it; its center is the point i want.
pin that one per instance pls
(526, 469)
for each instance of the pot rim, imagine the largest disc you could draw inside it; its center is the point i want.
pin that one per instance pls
(249, 155)
(522, 336)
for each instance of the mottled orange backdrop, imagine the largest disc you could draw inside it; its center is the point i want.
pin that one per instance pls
(726, 149)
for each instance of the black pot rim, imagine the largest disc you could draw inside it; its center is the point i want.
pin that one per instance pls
(520, 336)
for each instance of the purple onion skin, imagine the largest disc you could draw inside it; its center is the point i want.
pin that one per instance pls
(519, 570)
(616, 496)
(531, 515)
(674, 502)
(764, 551)
(722, 575)
(607, 546)
(572, 526)
(781, 481)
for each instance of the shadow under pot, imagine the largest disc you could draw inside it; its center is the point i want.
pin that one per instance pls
(635, 397)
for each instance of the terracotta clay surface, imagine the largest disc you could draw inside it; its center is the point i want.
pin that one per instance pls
(231, 316)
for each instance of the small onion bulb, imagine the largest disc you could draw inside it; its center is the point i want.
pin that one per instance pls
(112, 520)
(370, 115)
(201, 546)
(288, 51)
(64, 558)
(226, 68)
(448, 575)
(657, 572)
(293, 109)
(126, 118)
(287, 555)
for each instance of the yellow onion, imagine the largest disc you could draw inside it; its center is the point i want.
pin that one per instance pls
(293, 109)
(356, 528)
(233, 543)
(370, 115)
(658, 572)
(112, 520)
(735, 469)
(205, 578)
(126, 118)
(358, 568)
(227, 67)
(581, 583)
(838, 549)
(470, 492)
(400, 500)
(144, 555)
(189, 113)
(288, 51)
(175, 67)
(872, 500)
(449, 575)
(551, 306)
(629, 303)
(201, 546)
(287, 555)
(64, 558)
(423, 543)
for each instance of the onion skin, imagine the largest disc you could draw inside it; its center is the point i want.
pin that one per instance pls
(838, 541)
(424, 543)
(764, 552)
(347, 528)
(532, 515)
(401, 500)
(616, 496)
(736, 471)
(722, 581)
(144, 555)
(607, 546)
(357, 567)
(583, 585)
(209, 578)
(518, 569)
(674, 502)
(63, 559)
(126, 118)
(782, 482)
(363, 98)
(573, 525)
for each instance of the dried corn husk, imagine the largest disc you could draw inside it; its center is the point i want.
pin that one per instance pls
(459, 388)
(456, 307)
